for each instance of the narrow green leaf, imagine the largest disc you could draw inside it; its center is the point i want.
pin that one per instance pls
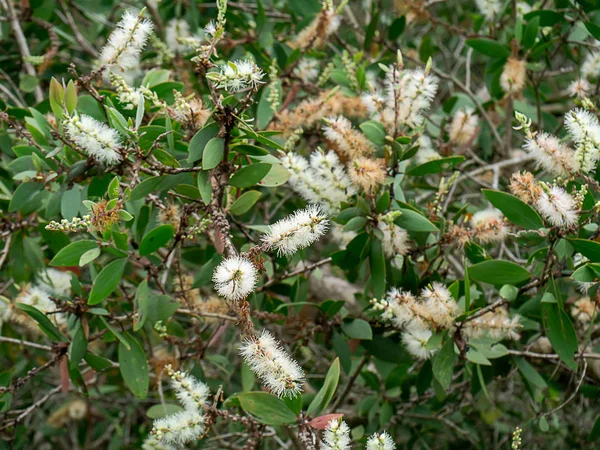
(134, 366)
(514, 209)
(107, 280)
(267, 408)
(155, 239)
(325, 394)
(72, 253)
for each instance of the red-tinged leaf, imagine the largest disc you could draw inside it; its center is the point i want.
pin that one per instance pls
(64, 375)
(321, 422)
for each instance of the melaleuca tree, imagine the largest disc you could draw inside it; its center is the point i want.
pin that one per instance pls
(299, 225)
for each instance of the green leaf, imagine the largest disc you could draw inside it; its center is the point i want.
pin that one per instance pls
(199, 141)
(561, 333)
(141, 305)
(28, 83)
(530, 374)
(531, 32)
(267, 408)
(325, 394)
(358, 329)
(244, 202)
(489, 47)
(498, 272)
(213, 153)
(71, 97)
(160, 307)
(89, 256)
(595, 433)
(514, 209)
(107, 280)
(134, 366)
(78, 345)
(155, 239)
(589, 249)
(435, 166)
(72, 253)
(45, 324)
(443, 364)
(204, 275)
(277, 176)
(205, 186)
(23, 195)
(249, 175)
(374, 132)
(413, 221)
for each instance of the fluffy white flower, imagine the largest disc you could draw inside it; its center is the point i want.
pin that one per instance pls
(270, 362)
(523, 8)
(39, 298)
(395, 239)
(336, 436)
(463, 127)
(97, 139)
(513, 75)
(126, 42)
(584, 310)
(175, 29)
(235, 278)
(590, 68)
(381, 441)
(495, 324)
(238, 76)
(297, 231)
(489, 226)
(191, 392)
(415, 338)
(55, 282)
(489, 8)
(550, 154)
(179, 428)
(426, 152)
(584, 127)
(558, 207)
(409, 94)
(307, 70)
(579, 88)
(437, 305)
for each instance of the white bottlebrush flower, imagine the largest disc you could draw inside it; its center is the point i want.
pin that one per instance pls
(336, 436)
(558, 207)
(270, 362)
(437, 305)
(191, 392)
(584, 127)
(415, 337)
(180, 428)
(584, 310)
(582, 286)
(175, 29)
(374, 102)
(401, 307)
(590, 68)
(39, 298)
(463, 127)
(496, 325)
(238, 76)
(55, 282)
(381, 441)
(395, 239)
(151, 443)
(126, 42)
(297, 231)
(523, 8)
(409, 94)
(550, 154)
(189, 424)
(307, 70)
(489, 225)
(95, 138)
(489, 8)
(513, 75)
(579, 88)
(235, 278)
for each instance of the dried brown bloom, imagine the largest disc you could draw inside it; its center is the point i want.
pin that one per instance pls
(525, 186)
(171, 215)
(102, 217)
(367, 173)
(513, 76)
(316, 33)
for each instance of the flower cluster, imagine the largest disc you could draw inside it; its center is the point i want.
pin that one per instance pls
(237, 76)
(349, 142)
(434, 309)
(316, 33)
(76, 224)
(489, 8)
(495, 324)
(395, 239)
(235, 278)
(381, 441)
(297, 231)
(514, 75)
(463, 127)
(409, 93)
(126, 42)
(336, 436)
(95, 138)
(322, 181)
(584, 310)
(275, 368)
(187, 425)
